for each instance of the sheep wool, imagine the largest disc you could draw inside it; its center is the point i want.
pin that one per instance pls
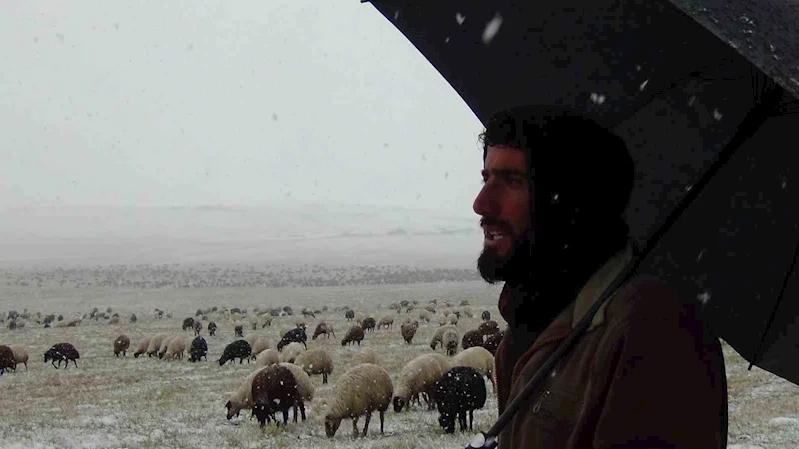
(361, 390)
(267, 357)
(416, 379)
(315, 361)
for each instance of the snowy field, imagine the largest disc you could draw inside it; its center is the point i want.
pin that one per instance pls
(147, 403)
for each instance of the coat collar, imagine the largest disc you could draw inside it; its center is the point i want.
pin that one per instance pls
(596, 285)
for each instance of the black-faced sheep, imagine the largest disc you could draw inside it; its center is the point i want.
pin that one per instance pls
(486, 315)
(488, 327)
(155, 344)
(291, 351)
(349, 315)
(274, 389)
(198, 327)
(436, 338)
(62, 352)
(360, 391)
(20, 355)
(450, 340)
(368, 324)
(198, 349)
(175, 348)
(121, 345)
(408, 331)
(460, 389)
(296, 335)
(164, 345)
(305, 388)
(387, 322)
(7, 361)
(416, 379)
(315, 361)
(144, 343)
(323, 328)
(211, 328)
(239, 330)
(472, 338)
(492, 341)
(354, 335)
(239, 349)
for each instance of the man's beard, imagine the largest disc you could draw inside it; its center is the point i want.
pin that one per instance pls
(513, 267)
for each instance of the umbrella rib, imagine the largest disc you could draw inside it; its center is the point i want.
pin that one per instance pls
(776, 306)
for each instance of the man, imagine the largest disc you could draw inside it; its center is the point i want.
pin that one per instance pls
(646, 374)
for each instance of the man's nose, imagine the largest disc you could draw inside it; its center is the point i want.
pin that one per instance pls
(485, 203)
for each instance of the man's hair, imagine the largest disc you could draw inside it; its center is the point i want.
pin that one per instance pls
(568, 154)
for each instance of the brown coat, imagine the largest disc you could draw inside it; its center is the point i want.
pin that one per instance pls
(646, 374)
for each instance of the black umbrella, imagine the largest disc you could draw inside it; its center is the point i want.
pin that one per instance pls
(710, 132)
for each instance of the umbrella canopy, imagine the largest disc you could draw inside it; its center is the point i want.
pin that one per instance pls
(682, 98)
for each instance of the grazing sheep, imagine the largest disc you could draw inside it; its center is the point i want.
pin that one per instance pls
(452, 318)
(239, 330)
(62, 352)
(442, 320)
(198, 349)
(387, 322)
(175, 348)
(260, 345)
(349, 315)
(239, 349)
(408, 331)
(488, 327)
(188, 323)
(198, 327)
(424, 315)
(274, 389)
(436, 339)
(305, 388)
(323, 328)
(354, 335)
(144, 343)
(368, 324)
(20, 355)
(472, 338)
(296, 335)
(73, 323)
(241, 399)
(480, 359)
(459, 390)
(315, 361)
(417, 378)
(164, 345)
(308, 312)
(7, 361)
(361, 390)
(121, 345)
(359, 317)
(291, 351)
(211, 328)
(133, 318)
(266, 320)
(254, 322)
(114, 320)
(155, 344)
(486, 315)
(267, 357)
(491, 342)
(450, 341)
(467, 311)
(366, 355)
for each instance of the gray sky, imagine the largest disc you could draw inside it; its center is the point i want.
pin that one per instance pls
(239, 103)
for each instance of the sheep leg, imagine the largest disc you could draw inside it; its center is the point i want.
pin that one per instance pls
(302, 410)
(471, 419)
(366, 423)
(286, 417)
(462, 419)
(355, 427)
(382, 416)
(324, 378)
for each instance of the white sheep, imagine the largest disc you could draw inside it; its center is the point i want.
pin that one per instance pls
(175, 348)
(305, 387)
(315, 361)
(155, 343)
(141, 348)
(436, 339)
(418, 378)
(291, 351)
(366, 355)
(387, 321)
(241, 398)
(164, 345)
(260, 345)
(300, 322)
(424, 315)
(479, 358)
(20, 354)
(267, 357)
(466, 310)
(361, 390)
(359, 317)
(450, 340)
(442, 320)
(452, 318)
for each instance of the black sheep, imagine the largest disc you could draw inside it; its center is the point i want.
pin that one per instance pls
(491, 342)
(239, 349)
(459, 390)
(368, 324)
(198, 327)
(212, 328)
(239, 329)
(354, 335)
(488, 327)
(349, 315)
(62, 352)
(188, 323)
(297, 335)
(472, 338)
(198, 349)
(7, 361)
(274, 390)
(486, 315)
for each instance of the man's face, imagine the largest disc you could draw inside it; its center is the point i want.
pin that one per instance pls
(504, 205)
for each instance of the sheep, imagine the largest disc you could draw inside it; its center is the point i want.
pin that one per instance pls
(361, 390)
(452, 318)
(198, 349)
(467, 311)
(175, 349)
(479, 359)
(198, 327)
(472, 338)
(273, 389)
(366, 355)
(460, 390)
(323, 328)
(368, 324)
(408, 331)
(144, 343)
(188, 323)
(133, 318)
(359, 317)
(305, 388)
(251, 338)
(300, 322)
(73, 323)
(450, 341)
(164, 345)
(424, 315)
(296, 335)
(417, 378)
(239, 330)
(20, 355)
(239, 349)
(259, 346)
(290, 352)
(266, 320)
(315, 361)
(62, 352)
(442, 320)
(486, 315)
(7, 360)
(121, 345)
(354, 335)
(430, 308)
(211, 329)
(241, 398)
(488, 327)
(349, 315)
(155, 344)
(267, 357)
(387, 321)
(491, 342)
(308, 312)
(436, 339)
(114, 320)
(254, 322)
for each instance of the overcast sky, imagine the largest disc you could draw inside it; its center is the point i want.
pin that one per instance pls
(239, 103)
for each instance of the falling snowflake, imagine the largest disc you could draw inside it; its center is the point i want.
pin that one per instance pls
(717, 115)
(703, 297)
(492, 28)
(643, 85)
(699, 257)
(784, 184)
(691, 100)
(446, 40)
(597, 98)
(460, 18)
